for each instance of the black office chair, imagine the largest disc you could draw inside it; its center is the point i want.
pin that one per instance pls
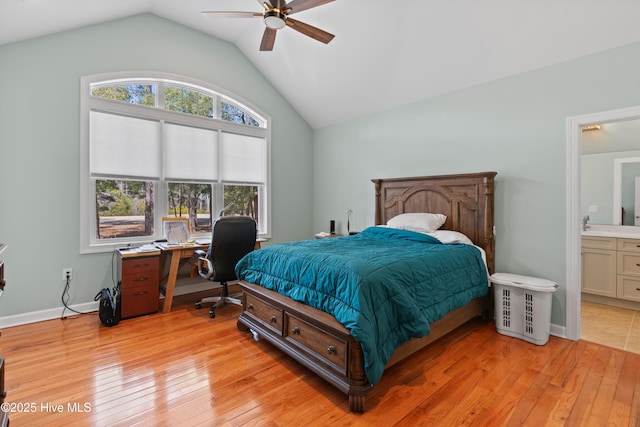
(233, 238)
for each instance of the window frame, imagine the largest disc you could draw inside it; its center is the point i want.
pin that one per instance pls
(88, 240)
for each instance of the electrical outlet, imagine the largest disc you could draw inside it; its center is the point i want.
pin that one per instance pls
(67, 273)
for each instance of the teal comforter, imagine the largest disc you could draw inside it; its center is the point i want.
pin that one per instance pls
(385, 285)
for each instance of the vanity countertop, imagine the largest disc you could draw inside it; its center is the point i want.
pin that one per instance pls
(622, 231)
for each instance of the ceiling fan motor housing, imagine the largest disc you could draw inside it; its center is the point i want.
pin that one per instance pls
(275, 19)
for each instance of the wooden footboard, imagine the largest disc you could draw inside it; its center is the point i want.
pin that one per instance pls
(318, 341)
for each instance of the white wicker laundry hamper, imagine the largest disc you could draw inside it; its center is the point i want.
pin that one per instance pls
(523, 306)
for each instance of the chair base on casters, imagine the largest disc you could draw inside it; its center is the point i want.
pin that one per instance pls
(223, 299)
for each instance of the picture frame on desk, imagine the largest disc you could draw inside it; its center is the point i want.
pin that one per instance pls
(175, 229)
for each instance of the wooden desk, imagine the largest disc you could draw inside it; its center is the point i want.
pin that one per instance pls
(178, 256)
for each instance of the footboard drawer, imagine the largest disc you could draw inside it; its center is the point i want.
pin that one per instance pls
(269, 315)
(312, 337)
(317, 342)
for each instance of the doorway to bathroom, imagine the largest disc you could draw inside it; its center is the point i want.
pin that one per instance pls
(621, 325)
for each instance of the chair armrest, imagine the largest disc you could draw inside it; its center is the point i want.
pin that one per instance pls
(205, 267)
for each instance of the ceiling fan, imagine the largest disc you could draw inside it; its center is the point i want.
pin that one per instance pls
(276, 16)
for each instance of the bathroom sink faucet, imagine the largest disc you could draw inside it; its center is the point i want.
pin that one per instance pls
(585, 219)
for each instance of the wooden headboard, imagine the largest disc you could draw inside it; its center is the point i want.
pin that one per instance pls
(466, 200)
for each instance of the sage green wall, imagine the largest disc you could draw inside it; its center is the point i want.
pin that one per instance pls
(39, 145)
(515, 126)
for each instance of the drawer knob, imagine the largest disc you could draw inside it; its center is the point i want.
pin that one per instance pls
(250, 307)
(141, 265)
(141, 293)
(637, 289)
(142, 279)
(273, 319)
(331, 350)
(295, 330)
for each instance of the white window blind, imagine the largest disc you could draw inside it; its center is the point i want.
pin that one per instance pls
(124, 146)
(191, 153)
(243, 158)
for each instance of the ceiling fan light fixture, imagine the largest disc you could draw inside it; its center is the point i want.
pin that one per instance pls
(275, 19)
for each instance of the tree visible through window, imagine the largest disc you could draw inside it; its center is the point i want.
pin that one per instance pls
(141, 94)
(124, 208)
(194, 202)
(144, 164)
(188, 101)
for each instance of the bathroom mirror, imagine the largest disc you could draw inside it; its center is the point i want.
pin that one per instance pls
(610, 163)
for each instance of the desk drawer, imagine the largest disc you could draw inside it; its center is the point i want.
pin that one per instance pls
(140, 278)
(319, 343)
(138, 272)
(138, 265)
(268, 314)
(138, 300)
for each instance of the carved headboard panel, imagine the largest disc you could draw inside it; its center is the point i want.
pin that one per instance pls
(466, 200)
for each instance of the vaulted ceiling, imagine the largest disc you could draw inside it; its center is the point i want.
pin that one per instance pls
(385, 54)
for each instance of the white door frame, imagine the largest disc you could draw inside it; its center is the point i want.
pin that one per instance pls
(636, 202)
(574, 214)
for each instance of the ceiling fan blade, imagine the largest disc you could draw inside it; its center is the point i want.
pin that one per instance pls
(268, 39)
(300, 5)
(232, 14)
(308, 30)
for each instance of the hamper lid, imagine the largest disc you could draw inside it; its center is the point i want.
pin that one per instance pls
(525, 282)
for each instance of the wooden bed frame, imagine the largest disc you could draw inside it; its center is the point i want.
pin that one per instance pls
(318, 341)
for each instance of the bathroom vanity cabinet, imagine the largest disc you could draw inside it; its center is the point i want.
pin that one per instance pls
(599, 263)
(611, 267)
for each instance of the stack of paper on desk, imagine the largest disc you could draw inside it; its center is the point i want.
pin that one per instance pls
(144, 250)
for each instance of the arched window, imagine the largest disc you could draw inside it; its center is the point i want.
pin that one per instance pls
(156, 146)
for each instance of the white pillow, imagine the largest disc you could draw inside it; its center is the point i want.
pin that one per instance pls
(421, 222)
(450, 236)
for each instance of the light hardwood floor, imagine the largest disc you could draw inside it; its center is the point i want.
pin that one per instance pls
(184, 369)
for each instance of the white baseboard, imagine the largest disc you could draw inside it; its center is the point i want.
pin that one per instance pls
(52, 313)
(187, 286)
(558, 331)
